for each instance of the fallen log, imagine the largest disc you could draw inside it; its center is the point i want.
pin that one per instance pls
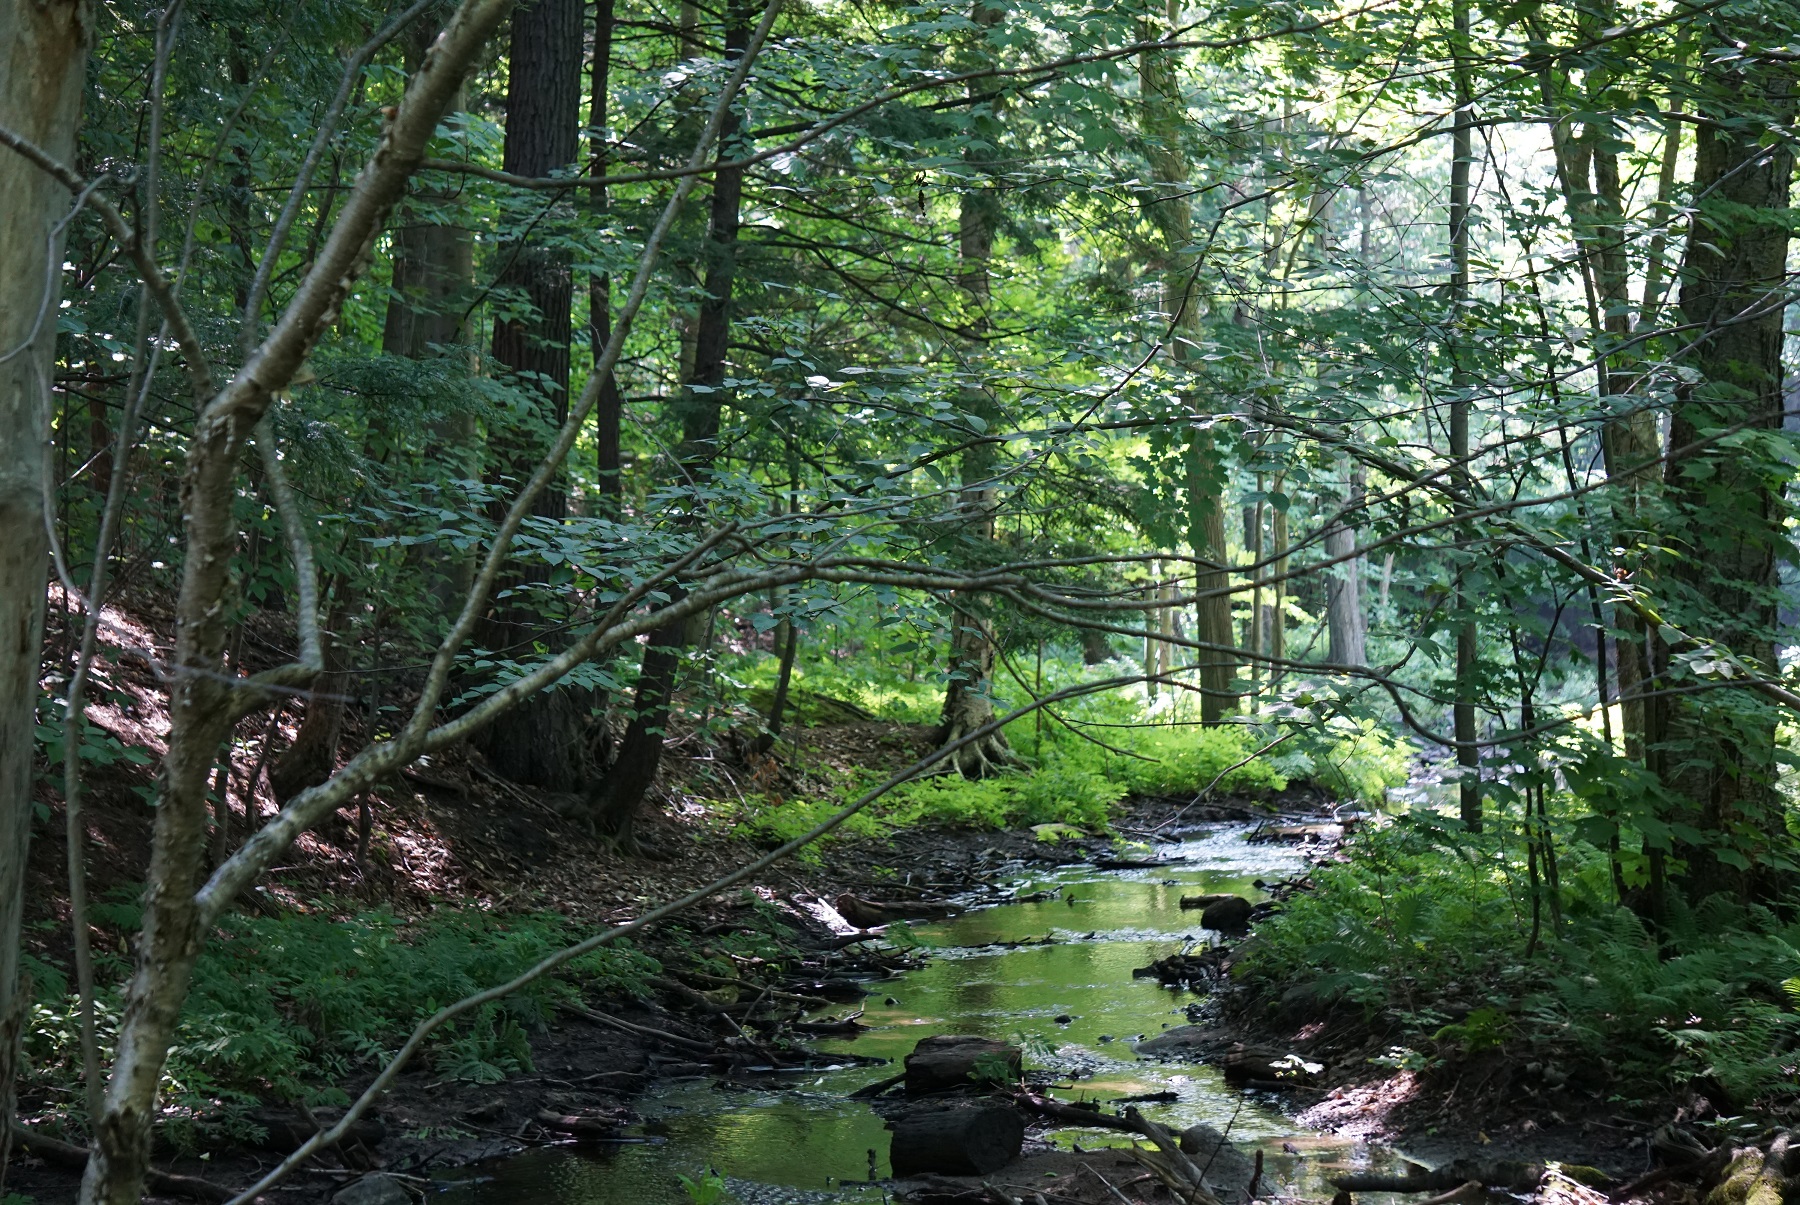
(1758, 1177)
(580, 1125)
(847, 1026)
(956, 1142)
(75, 1158)
(950, 1061)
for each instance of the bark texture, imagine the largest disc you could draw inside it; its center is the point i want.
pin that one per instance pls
(43, 49)
(205, 702)
(540, 742)
(1728, 513)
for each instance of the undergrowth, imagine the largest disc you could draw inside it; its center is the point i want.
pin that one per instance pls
(281, 1005)
(1427, 931)
(1073, 781)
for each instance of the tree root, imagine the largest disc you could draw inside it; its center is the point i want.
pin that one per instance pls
(1758, 1177)
(980, 758)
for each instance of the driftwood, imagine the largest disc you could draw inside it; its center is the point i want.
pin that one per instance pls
(870, 1091)
(584, 1125)
(1183, 970)
(1168, 1162)
(871, 914)
(848, 1026)
(75, 1158)
(957, 1142)
(643, 1031)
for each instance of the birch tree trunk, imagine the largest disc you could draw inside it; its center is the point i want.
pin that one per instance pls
(43, 52)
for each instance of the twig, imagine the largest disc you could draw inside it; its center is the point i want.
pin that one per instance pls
(644, 1031)
(1108, 1184)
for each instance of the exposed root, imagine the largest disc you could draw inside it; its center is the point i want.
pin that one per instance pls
(979, 758)
(1758, 1177)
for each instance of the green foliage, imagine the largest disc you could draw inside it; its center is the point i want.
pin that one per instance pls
(1193, 758)
(707, 1189)
(1427, 928)
(282, 1005)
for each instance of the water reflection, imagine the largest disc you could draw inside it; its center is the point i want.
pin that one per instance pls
(805, 1142)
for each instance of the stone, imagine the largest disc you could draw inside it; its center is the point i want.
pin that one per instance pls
(376, 1189)
(1181, 1040)
(1226, 1167)
(956, 1142)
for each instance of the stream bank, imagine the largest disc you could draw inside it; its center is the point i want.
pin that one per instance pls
(610, 1116)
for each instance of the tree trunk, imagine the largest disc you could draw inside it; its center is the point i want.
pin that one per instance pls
(1462, 382)
(1727, 521)
(539, 742)
(43, 49)
(312, 758)
(610, 410)
(1346, 625)
(615, 803)
(1162, 120)
(968, 702)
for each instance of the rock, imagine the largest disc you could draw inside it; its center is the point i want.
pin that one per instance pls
(1204, 901)
(1229, 915)
(951, 1061)
(957, 1142)
(1227, 1168)
(377, 1189)
(1183, 1039)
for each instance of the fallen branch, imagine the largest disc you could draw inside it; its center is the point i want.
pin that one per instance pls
(75, 1158)
(643, 1031)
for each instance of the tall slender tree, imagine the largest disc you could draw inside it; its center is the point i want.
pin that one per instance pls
(542, 742)
(43, 49)
(617, 799)
(1163, 122)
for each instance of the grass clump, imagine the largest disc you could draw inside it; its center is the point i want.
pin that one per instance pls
(282, 1005)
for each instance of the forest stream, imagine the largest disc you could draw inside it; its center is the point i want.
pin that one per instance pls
(991, 973)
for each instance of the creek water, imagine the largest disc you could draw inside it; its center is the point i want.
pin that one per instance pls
(800, 1139)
